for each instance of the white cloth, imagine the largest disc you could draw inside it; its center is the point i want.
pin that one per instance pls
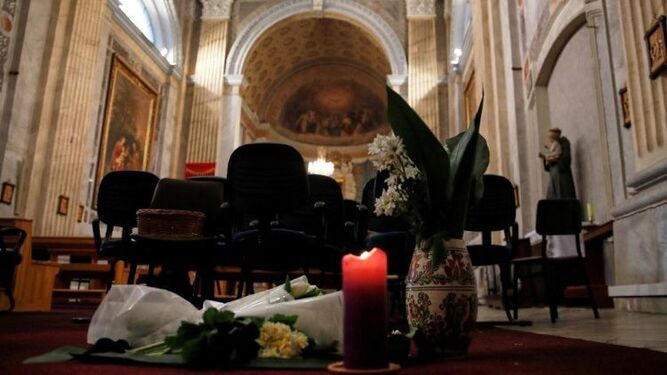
(143, 315)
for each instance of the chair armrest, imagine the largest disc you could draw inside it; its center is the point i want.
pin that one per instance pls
(13, 231)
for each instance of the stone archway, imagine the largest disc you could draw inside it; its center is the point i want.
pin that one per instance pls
(231, 133)
(346, 9)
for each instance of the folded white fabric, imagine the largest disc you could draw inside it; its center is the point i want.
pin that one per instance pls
(142, 315)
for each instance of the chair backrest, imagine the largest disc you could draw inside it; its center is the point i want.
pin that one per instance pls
(266, 178)
(558, 216)
(326, 190)
(217, 179)
(497, 208)
(121, 194)
(202, 196)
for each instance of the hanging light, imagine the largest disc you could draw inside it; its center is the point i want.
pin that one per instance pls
(321, 166)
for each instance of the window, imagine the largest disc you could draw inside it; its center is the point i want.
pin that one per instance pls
(136, 11)
(156, 20)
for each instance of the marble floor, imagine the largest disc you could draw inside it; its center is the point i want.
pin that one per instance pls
(639, 330)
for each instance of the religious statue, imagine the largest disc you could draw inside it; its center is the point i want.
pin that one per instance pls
(557, 160)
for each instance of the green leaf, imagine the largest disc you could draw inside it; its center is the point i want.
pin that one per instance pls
(426, 152)
(290, 320)
(312, 293)
(469, 159)
(438, 251)
(288, 284)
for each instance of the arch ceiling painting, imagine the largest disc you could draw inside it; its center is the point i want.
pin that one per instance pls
(318, 81)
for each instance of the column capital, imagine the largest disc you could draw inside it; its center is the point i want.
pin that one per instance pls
(216, 9)
(420, 8)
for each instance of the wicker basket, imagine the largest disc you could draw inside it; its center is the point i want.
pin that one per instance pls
(176, 224)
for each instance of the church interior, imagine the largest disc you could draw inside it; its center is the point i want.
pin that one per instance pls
(168, 96)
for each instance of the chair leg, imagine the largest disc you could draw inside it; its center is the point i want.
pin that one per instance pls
(549, 292)
(112, 274)
(589, 289)
(505, 280)
(151, 272)
(133, 273)
(515, 294)
(10, 296)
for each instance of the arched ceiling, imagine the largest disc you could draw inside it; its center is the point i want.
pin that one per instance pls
(299, 44)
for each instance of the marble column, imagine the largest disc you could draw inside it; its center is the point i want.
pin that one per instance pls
(73, 117)
(423, 62)
(490, 73)
(208, 80)
(230, 135)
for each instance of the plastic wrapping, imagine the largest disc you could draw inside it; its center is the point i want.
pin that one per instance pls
(143, 315)
(139, 314)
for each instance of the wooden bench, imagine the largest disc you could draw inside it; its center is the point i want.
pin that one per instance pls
(82, 247)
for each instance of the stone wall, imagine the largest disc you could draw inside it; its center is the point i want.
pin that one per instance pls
(57, 109)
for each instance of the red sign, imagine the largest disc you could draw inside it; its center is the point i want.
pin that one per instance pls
(199, 169)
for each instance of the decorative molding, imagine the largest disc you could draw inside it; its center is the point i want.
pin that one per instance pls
(234, 79)
(650, 199)
(649, 176)
(216, 9)
(638, 290)
(420, 8)
(397, 79)
(348, 9)
(318, 5)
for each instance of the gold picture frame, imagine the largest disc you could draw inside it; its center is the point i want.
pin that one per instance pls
(625, 107)
(656, 46)
(129, 122)
(63, 205)
(79, 213)
(7, 195)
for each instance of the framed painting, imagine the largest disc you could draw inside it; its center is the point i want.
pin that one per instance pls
(656, 46)
(7, 194)
(63, 205)
(129, 121)
(625, 107)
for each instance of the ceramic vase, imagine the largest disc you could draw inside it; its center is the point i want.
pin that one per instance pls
(441, 301)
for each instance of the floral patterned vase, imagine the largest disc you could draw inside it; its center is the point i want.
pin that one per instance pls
(442, 301)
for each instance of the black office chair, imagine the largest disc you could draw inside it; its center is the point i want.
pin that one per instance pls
(496, 211)
(179, 255)
(556, 217)
(322, 217)
(266, 180)
(120, 195)
(10, 257)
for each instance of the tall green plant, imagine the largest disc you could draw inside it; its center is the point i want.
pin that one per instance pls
(453, 179)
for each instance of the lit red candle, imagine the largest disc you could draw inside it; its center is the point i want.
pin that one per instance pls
(365, 319)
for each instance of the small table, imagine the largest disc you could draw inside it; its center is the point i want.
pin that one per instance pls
(594, 242)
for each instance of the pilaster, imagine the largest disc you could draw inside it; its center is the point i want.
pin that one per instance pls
(208, 81)
(72, 118)
(423, 62)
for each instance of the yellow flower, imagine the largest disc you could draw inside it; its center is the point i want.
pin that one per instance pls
(277, 340)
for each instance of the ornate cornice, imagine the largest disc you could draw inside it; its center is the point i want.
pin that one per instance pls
(420, 8)
(216, 9)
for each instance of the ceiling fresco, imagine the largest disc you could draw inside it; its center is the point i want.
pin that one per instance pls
(318, 81)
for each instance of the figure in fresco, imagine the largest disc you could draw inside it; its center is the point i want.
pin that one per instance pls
(118, 155)
(307, 122)
(557, 161)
